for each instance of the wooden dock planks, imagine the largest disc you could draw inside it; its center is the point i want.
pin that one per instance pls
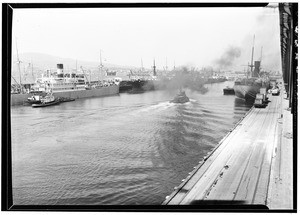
(280, 193)
(240, 168)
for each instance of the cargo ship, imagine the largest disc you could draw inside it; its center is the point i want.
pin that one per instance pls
(247, 88)
(71, 85)
(139, 83)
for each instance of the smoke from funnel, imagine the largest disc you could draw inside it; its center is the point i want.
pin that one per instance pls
(183, 77)
(228, 57)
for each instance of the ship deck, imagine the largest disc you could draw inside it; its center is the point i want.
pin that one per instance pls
(253, 164)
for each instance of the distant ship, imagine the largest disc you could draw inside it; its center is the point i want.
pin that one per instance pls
(60, 81)
(70, 85)
(216, 79)
(247, 88)
(139, 82)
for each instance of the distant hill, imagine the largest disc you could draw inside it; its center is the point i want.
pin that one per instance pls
(42, 62)
(45, 61)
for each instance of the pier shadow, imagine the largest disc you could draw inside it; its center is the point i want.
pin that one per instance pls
(243, 102)
(227, 205)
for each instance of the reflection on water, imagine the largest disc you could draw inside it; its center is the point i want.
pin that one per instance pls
(124, 149)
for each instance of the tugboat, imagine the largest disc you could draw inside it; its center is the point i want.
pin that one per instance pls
(36, 97)
(48, 100)
(180, 97)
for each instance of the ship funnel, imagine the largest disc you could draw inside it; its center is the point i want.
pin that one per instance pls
(154, 68)
(48, 71)
(256, 69)
(60, 68)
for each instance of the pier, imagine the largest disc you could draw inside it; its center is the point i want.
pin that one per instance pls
(252, 164)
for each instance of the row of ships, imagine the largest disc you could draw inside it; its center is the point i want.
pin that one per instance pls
(79, 85)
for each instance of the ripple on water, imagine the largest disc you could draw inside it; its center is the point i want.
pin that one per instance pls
(126, 149)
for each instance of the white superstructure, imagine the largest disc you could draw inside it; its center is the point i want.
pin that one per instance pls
(60, 81)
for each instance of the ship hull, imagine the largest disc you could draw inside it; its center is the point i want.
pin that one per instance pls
(246, 92)
(20, 99)
(45, 104)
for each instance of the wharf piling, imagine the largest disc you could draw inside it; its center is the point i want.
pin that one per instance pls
(253, 164)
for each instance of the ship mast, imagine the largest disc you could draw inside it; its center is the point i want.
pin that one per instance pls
(25, 73)
(154, 68)
(248, 70)
(251, 66)
(261, 54)
(90, 73)
(19, 62)
(142, 64)
(32, 69)
(100, 67)
(15, 80)
(86, 76)
(166, 64)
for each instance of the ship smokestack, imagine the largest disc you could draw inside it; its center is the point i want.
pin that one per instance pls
(154, 68)
(60, 68)
(256, 69)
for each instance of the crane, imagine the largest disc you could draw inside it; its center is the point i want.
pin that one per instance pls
(85, 75)
(251, 66)
(100, 68)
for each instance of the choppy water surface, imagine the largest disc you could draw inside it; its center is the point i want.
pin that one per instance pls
(126, 149)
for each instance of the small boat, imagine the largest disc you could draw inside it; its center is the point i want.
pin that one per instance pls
(48, 100)
(180, 98)
(36, 97)
(228, 91)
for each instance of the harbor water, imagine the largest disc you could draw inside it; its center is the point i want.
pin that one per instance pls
(129, 149)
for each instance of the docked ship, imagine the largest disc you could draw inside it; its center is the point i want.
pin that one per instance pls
(216, 79)
(140, 81)
(70, 85)
(60, 81)
(247, 88)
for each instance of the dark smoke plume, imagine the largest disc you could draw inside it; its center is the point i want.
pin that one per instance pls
(184, 77)
(228, 57)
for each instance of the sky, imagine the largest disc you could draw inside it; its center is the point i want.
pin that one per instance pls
(199, 37)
